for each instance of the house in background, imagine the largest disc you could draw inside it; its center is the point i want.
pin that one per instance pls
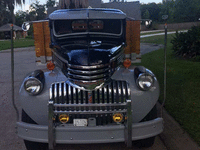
(5, 31)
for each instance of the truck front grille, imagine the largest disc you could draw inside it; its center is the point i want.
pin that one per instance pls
(100, 103)
(88, 73)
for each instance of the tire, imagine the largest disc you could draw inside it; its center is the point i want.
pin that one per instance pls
(149, 141)
(144, 142)
(29, 144)
(35, 145)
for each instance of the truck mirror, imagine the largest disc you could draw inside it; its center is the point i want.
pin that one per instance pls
(148, 23)
(25, 26)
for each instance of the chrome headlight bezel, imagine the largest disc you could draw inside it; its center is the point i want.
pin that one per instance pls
(145, 81)
(34, 83)
(33, 89)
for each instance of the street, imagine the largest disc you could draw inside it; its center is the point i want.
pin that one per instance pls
(25, 63)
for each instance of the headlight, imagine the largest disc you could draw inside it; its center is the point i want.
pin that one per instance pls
(145, 81)
(34, 83)
(33, 86)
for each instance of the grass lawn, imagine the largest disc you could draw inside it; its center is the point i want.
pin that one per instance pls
(183, 85)
(17, 43)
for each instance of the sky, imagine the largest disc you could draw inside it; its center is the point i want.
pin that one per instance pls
(28, 2)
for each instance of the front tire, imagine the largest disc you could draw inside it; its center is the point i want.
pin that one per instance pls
(35, 145)
(148, 142)
(144, 142)
(29, 144)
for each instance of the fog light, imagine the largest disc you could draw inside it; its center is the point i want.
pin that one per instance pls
(118, 117)
(64, 118)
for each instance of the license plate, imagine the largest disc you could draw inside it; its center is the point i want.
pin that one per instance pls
(80, 122)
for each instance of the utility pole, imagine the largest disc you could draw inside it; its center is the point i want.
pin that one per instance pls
(12, 64)
(165, 17)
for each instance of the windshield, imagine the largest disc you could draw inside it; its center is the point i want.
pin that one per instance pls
(103, 26)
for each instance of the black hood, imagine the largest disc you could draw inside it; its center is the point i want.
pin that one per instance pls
(89, 56)
(88, 67)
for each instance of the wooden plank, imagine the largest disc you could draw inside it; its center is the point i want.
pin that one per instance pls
(132, 37)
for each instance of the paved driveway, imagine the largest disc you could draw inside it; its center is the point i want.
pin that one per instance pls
(24, 63)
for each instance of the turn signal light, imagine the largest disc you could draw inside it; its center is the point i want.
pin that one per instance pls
(127, 63)
(118, 117)
(50, 65)
(64, 118)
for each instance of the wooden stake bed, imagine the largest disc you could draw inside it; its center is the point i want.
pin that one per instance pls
(42, 41)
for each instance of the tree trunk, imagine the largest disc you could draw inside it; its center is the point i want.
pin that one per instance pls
(72, 4)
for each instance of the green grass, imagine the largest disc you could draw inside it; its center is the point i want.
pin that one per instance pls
(183, 85)
(17, 43)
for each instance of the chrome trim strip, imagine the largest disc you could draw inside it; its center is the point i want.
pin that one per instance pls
(123, 90)
(51, 129)
(89, 105)
(65, 91)
(101, 76)
(55, 92)
(69, 92)
(60, 92)
(88, 72)
(128, 126)
(50, 93)
(88, 67)
(90, 112)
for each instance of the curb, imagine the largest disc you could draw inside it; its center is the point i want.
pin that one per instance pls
(19, 49)
(173, 136)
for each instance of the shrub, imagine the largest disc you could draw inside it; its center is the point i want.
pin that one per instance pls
(187, 44)
(29, 37)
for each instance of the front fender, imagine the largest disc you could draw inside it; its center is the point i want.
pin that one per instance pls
(36, 106)
(142, 101)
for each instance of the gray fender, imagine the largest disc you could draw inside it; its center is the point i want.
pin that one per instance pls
(36, 106)
(142, 101)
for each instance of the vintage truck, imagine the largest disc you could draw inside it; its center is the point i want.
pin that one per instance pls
(91, 91)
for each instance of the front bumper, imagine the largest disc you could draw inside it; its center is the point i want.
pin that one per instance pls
(69, 134)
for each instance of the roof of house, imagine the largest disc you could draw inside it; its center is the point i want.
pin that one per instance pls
(7, 27)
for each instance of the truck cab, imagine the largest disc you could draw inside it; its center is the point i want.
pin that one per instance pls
(91, 91)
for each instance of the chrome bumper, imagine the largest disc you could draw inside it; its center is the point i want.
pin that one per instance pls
(83, 135)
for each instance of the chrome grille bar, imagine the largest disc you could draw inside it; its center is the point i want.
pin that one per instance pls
(89, 105)
(100, 103)
(115, 92)
(89, 112)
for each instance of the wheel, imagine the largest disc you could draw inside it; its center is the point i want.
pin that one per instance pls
(149, 141)
(35, 145)
(144, 142)
(29, 144)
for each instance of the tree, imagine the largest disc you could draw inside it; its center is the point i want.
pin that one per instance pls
(20, 17)
(153, 10)
(37, 11)
(10, 5)
(187, 10)
(167, 8)
(71, 4)
(146, 15)
(50, 3)
(5, 16)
